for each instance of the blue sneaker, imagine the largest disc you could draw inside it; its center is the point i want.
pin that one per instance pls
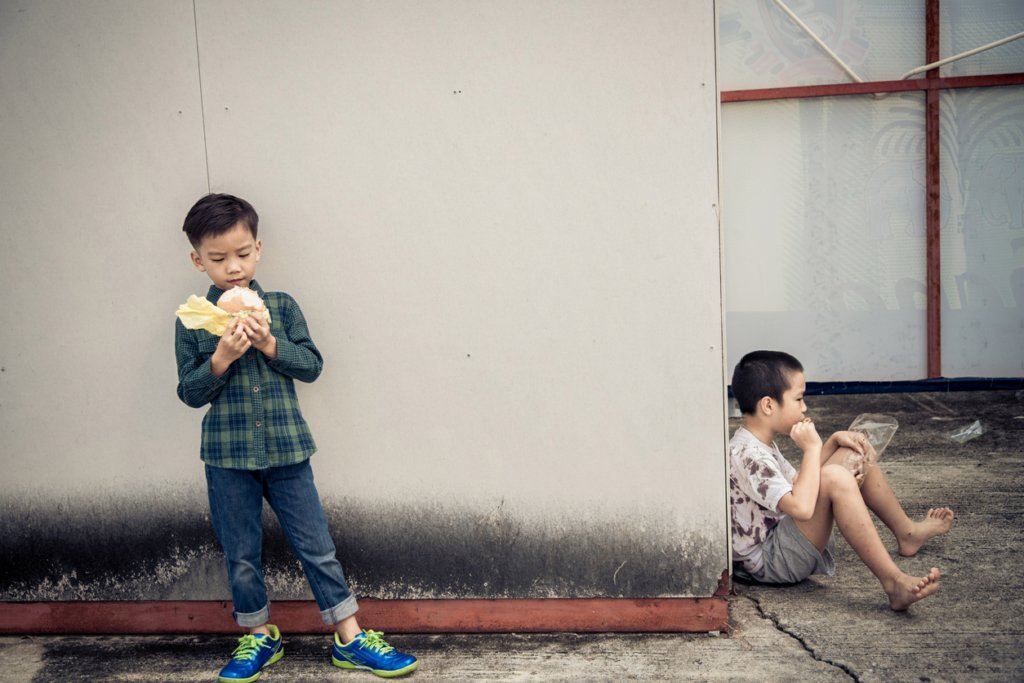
(252, 654)
(370, 652)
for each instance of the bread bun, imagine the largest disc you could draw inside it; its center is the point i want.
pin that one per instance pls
(238, 299)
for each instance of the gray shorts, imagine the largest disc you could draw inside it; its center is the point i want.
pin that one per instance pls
(789, 557)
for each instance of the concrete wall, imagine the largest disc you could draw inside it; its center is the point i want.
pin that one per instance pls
(499, 219)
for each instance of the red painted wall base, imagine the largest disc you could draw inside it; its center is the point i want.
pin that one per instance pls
(589, 615)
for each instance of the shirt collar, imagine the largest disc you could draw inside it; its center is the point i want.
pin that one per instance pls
(214, 293)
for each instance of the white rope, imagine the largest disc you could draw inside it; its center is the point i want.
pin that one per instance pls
(806, 29)
(927, 67)
(947, 60)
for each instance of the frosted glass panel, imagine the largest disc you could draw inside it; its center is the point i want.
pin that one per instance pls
(823, 214)
(761, 47)
(983, 232)
(968, 24)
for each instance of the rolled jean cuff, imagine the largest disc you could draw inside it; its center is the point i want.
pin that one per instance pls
(343, 610)
(252, 619)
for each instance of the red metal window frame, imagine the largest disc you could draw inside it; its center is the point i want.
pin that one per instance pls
(932, 84)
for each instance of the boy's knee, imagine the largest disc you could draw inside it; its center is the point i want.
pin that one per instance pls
(244, 572)
(837, 476)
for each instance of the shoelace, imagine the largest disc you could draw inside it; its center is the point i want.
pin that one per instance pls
(374, 640)
(248, 646)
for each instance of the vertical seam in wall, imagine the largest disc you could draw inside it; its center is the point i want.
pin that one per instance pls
(202, 103)
(721, 292)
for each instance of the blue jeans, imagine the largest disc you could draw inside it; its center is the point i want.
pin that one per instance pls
(236, 506)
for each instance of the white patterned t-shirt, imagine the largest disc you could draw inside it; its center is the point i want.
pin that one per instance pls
(759, 477)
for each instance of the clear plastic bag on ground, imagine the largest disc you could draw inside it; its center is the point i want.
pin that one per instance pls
(965, 434)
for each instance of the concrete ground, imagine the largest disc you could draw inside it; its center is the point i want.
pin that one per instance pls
(825, 629)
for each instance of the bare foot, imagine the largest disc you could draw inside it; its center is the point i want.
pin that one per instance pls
(936, 522)
(905, 590)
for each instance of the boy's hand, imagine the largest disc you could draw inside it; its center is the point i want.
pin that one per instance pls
(852, 440)
(258, 330)
(232, 346)
(856, 463)
(805, 435)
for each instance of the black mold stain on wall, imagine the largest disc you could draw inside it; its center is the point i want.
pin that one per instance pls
(443, 550)
(102, 547)
(161, 546)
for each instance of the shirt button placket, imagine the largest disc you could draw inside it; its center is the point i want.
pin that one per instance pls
(259, 440)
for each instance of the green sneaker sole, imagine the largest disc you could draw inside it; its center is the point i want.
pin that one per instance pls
(342, 664)
(277, 656)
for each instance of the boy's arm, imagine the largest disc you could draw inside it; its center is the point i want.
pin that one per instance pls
(201, 378)
(294, 354)
(853, 440)
(801, 501)
(197, 384)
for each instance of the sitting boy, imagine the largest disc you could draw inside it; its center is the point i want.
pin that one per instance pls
(782, 519)
(256, 445)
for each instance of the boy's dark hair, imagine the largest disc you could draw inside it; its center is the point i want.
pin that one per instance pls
(215, 214)
(760, 374)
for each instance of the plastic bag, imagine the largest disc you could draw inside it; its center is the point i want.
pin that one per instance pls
(878, 430)
(971, 431)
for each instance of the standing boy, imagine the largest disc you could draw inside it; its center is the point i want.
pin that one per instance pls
(782, 519)
(256, 445)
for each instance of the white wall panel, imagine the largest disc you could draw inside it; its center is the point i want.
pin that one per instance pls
(102, 145)
(489, 212)
(500, 221)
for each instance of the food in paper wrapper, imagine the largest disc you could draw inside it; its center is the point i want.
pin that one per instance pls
(240, 300)
(199, 314)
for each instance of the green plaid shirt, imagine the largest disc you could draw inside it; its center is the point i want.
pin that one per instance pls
(254, 420)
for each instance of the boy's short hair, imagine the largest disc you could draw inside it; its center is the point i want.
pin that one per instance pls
(760, 374)
(215, 214)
